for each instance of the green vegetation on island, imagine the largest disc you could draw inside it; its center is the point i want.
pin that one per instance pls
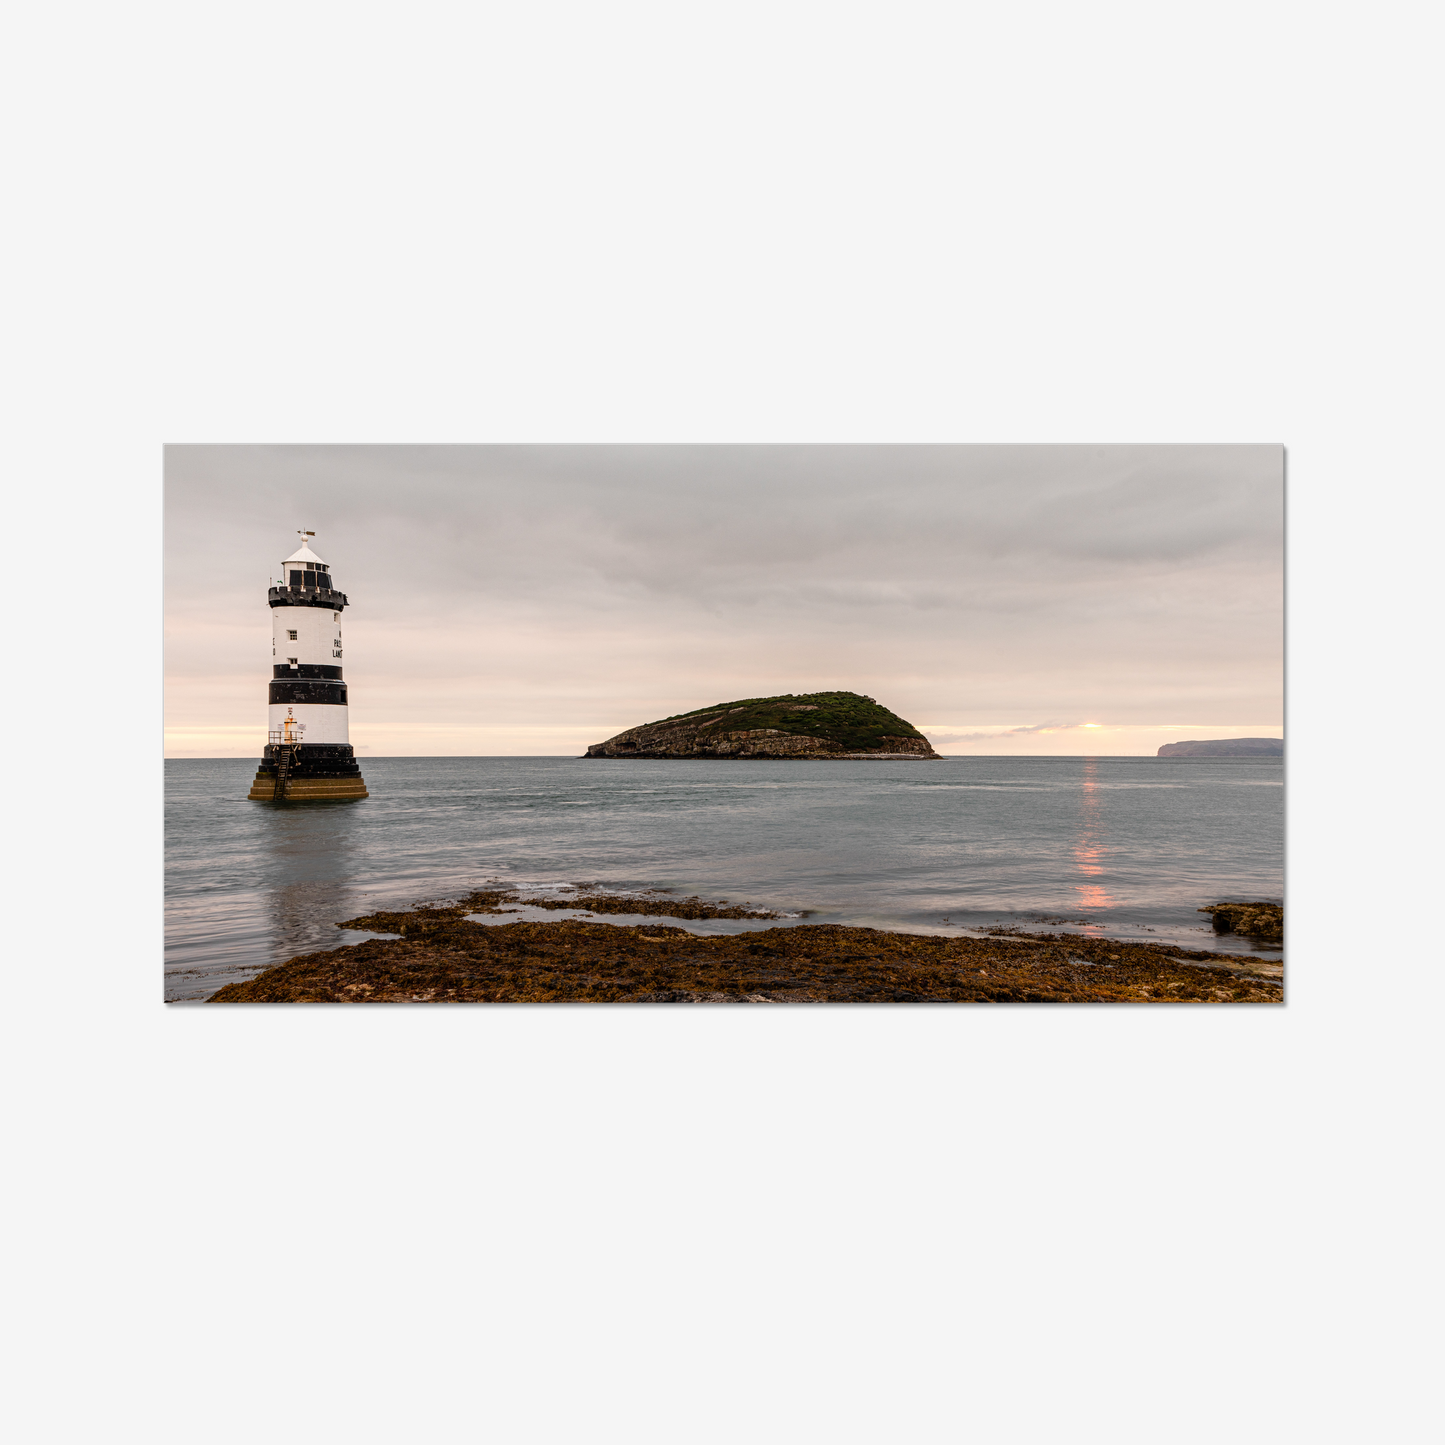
(797, 725)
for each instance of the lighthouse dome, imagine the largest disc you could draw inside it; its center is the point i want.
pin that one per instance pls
(304, 570)
(305, 557)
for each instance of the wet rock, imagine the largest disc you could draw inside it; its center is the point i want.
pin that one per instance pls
(1261, 922)
(443, 957)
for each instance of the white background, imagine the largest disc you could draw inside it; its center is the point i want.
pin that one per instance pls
(556, 222)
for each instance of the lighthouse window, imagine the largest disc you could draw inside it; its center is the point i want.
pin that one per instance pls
(295, 579)
(291, 633)
(310, 578)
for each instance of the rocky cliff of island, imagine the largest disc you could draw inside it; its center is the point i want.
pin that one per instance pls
(813, 725)
(1225, 748)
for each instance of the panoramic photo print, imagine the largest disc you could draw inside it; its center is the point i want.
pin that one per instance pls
(772, 724)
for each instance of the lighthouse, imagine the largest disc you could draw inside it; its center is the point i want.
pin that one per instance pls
(308, 755)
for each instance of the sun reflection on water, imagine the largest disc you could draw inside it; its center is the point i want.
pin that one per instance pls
(1089, 847)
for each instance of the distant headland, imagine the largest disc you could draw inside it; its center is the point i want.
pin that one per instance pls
(1226, 748)
(806, 726)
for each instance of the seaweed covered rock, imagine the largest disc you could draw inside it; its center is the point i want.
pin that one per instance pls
(440, 956)
(1261, 922)
(795, 725)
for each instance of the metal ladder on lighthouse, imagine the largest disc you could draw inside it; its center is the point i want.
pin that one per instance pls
(287, 741)
(285, 761)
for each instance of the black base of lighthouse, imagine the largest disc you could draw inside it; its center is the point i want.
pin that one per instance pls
(308, 773)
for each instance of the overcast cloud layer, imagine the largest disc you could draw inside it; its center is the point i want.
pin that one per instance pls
(516, 599)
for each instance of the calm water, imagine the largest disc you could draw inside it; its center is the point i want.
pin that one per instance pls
(1125, 847)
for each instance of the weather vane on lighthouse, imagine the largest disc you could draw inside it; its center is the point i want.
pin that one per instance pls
(308, 755)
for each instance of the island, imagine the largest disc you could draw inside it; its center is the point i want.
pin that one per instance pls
(1225, 748)
(809, 726)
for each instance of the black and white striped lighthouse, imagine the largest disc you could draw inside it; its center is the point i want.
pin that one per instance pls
(308, 755)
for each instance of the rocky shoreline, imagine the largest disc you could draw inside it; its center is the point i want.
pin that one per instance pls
(441, 956)
(754, 744)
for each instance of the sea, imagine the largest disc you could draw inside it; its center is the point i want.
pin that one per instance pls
(1114, 847)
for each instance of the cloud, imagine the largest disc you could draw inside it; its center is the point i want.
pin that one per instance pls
(601, 585)
(946, 737)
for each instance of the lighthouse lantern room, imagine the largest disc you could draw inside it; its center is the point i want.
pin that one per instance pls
(308, 755)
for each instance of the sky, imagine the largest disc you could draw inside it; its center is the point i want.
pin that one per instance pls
(511, 600)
